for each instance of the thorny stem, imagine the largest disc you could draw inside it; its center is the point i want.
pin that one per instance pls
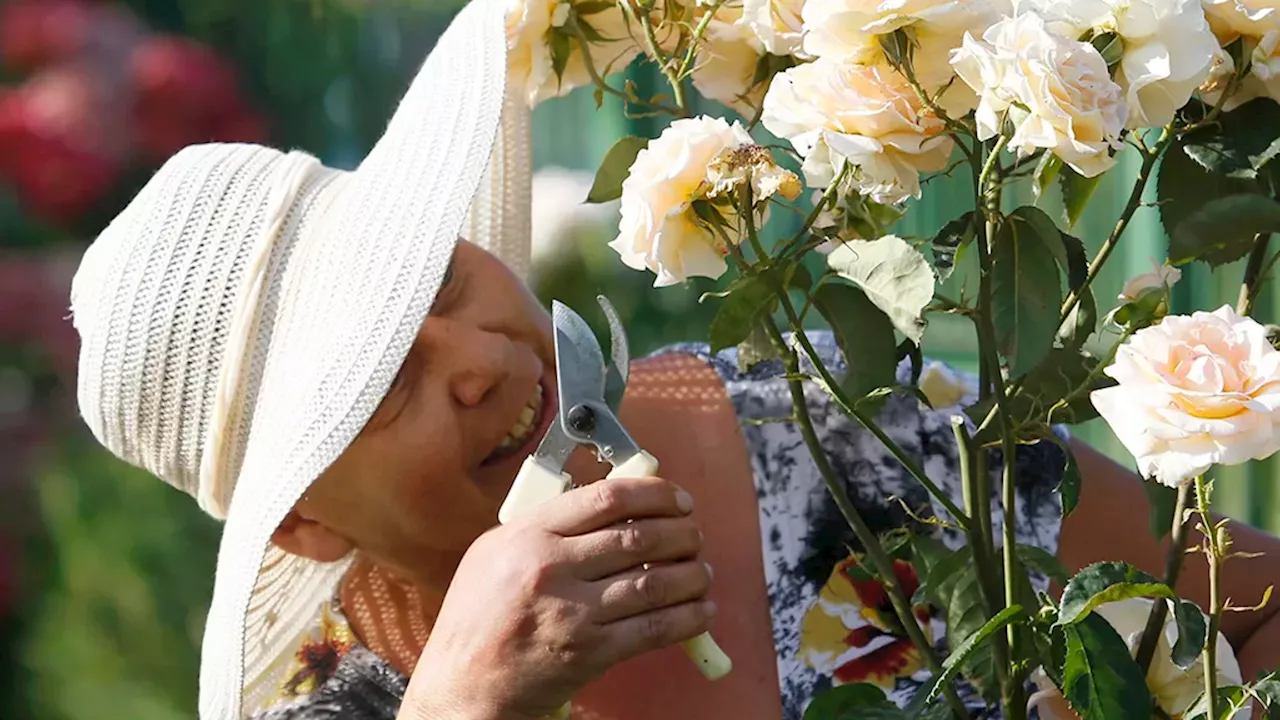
(1253, 278)
(1172, 568)
(698, 31)
(1078, 391)
(664, 62)
(954, 126)
(605, 87)
(1214, 553)
(989, 199)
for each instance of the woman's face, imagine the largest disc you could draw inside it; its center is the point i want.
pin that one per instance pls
(427, 474)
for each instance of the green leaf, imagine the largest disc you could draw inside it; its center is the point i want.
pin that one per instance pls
(1222, 230)
(1105, 582)
(1061, 373)
(733, 322)
(1043, 562)
(1026, 294)
(894, 276)
(769, 65)
(941, 575)
(1231, 699)
(966, 613)
(962, 652)
(1183, 187)
(1068, 250)
(756, 348)
(1046, 172)
(1069, 486)
(593, 6)
(1099, 677)
(615, 168)
(1163, 501)
(1240, 142)
(1080, 322)
(859, 701)
(948, 241)
(1191, 633)
(865, 336)
(1267, 693)
(1076, 192)
(561, 48)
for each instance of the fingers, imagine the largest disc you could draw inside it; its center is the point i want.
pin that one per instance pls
(601, 504)
(625, 546)
(641, 591)
(657, 629)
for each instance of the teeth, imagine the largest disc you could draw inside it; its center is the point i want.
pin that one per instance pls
(524, 425)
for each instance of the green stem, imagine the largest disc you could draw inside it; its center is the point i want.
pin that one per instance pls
(874, 550)
(698, 32)
(979, 543)
(1213, 555)
(664, 62)
(1172, 568)
(585, 46)
(957, 129)
(1252, 283)
(1083, 388)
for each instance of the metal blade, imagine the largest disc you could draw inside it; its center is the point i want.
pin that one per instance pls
(580, 370)
(619, 351)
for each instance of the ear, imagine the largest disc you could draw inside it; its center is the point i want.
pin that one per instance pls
(307, 538)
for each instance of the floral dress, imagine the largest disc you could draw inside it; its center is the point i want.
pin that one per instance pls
(832, 624)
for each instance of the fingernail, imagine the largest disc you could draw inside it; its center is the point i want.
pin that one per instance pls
(709, 608)
(684, 501)
(711, 573)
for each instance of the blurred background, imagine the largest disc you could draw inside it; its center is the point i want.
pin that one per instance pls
(105, 572)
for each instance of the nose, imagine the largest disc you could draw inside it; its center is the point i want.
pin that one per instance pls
(474, 362)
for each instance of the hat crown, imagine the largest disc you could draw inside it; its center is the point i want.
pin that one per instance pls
(156, 296)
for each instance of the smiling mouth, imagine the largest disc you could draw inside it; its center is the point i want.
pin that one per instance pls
(519, 435)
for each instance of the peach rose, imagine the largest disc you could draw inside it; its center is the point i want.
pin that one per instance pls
(1195, 391)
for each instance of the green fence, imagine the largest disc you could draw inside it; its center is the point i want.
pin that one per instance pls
(570, 132)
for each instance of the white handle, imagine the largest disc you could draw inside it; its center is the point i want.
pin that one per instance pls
(703, 650)
(533, 486)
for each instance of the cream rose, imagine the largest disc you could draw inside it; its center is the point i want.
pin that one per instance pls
(1232, 18)
(694, 159)
(850, 29)
(1168, 48)
(778, 24)
(1194, 391)
(727, 58)
(1175, 689)
(533, 26)
(1056, 91)
(1162, 278)
(835, 112)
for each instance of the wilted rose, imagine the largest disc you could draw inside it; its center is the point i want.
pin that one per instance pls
(538, 33)
(1195, 391)
(1055, 90)
(1175, 689)
(701, 159)
(1167, 48)
(836, 111)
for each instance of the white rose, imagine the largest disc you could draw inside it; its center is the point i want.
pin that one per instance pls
(1168, 48)
(1175, 689)
(694, 159)
(1265, 68)
(1056, 91)
(1162, 278)
(726, 65)
(835, 112)
(531, 26)
(850, 29)
(777, 23)
(1194, 391)
(1232, 18)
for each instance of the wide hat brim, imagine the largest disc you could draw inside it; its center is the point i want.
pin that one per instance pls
(340, 311)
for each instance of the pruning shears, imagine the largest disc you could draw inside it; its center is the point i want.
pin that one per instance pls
(590, 391)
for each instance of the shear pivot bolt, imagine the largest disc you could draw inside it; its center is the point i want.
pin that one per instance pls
(582, 419)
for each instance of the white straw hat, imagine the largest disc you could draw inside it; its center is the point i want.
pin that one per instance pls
(243, 317)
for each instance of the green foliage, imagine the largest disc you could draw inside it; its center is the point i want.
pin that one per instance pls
(615, 168)
(948, 243)
(1026, 292)
(865, 335)
(742, 303)
(893, 274)
(1077, 190)
(1099, 678)
(962, 652)
(1222, 230)
(858, 701)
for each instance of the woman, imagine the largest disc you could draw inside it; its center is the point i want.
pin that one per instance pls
(316, 359)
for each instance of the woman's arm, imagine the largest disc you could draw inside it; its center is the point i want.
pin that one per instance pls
(1110, 523)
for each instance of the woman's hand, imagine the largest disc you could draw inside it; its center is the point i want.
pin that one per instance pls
(542, 606)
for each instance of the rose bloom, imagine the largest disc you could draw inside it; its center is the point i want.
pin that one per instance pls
(850, 29)
(726, 65)
(530, 25)
(1232, 18)
(1156, 80)
(1163, 278)
(1175, 689)
(1194, 391)
(699, 158)
(1262, 80)
(835, 112)
(1056, 90)
(777, 23)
